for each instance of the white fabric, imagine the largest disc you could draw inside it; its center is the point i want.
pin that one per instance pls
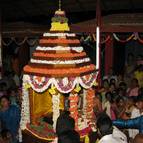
(135, 113)
(107, 106)
(116, 137)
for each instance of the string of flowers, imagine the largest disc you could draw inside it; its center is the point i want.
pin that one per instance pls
(138, 37)
(121, 40)
(89, 103)
(104, 41)
(12, 39)
(55, 104)
(74, 107)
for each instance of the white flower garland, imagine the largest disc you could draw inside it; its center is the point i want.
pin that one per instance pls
(25, 112)
(55, 62)
(59, 34)
(56, 106)
(54, 81)
(60, 48)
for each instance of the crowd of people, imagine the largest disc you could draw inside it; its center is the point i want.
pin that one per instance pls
(118, 104)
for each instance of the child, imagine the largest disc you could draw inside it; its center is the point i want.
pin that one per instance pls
(6, 137)
(13, 98)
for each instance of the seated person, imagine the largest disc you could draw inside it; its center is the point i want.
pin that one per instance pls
(108, 133)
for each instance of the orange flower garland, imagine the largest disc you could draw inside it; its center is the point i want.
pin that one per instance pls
(89, 103)
(62, 55)
(54, 72)
(59, 41)
(74, 108)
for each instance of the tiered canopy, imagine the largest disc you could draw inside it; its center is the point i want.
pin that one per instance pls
(59, 60)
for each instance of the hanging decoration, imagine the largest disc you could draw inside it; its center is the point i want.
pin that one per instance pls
(123, 41)
(89, 103)
(138, 37)
(74, 107)
(56, 107)
(103, 40)
(31, 42)
(64, 85)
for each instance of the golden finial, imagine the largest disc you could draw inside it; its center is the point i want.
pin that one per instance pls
(60, 5)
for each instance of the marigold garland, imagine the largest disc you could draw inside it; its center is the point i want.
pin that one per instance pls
(59, 41)
(65, 55)
(74, 108)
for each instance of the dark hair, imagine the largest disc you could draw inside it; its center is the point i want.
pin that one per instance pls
(139, 98)
(141, 90)
(64, 123)
(112, 81)
(104, 124)
(105, 80)
(109, 97)
(136, 80)
(69, 137)
(122, 84)
(112, 84)
(4, 97)
(4, 133)
(119, 98)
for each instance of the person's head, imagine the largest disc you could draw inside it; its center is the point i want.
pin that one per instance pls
(4, 100)
(104, 124)
(120, 77)
(120, 101)
(134, 82)
(111, 72)
(140, 91)
(130, 58)
(109, 97)
(98, 95)
(69, 137)
(139, 102)
(64, 123)
(130, 101)
(123, 85)
(12, 92)
(112, 87)
(120, 92)
(112, 81)
(3, 86)
(139, 68)
(6, 135)
(105, 83)
(138, 138)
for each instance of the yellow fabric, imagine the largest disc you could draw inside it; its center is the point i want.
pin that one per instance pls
(139, 77)
(42, 103)
(57, 26)
(87, 139)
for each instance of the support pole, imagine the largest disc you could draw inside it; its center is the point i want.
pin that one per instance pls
(98, 44)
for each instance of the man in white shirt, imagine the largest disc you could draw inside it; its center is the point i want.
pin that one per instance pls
(109, 134)
(136, 112)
